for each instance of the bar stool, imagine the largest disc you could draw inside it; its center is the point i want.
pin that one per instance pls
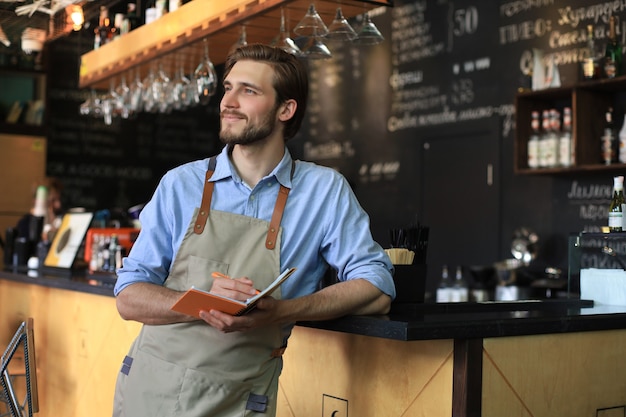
(24, 337)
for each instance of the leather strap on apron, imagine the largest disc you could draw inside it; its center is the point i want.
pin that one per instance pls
(277, 215)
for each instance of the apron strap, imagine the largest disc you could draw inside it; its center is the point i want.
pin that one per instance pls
(279, 208)
(205, 206)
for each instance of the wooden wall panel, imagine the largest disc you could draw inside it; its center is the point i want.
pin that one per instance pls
(572, 374)
(370, 376)
(80, 342)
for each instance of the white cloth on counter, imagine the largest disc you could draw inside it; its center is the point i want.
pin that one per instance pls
(603, 286)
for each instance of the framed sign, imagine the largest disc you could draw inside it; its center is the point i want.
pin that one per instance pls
(67, 241)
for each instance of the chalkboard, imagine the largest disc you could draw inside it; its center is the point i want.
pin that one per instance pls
(446, 64)
(115, 166)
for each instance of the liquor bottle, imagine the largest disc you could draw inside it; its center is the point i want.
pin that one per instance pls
(131, 15)
(608, 138)
(613, 53)
(174, 5)
(566, 150)
(106, 253)
(445, 286)
(459, 292)
(622, 142)
(552, 139)
(118, 25)
(543, 143)
(616, 208)
(38, 219)
(591, 65)
(113, 251)
(104, 31)
(533, 141)
(95, 250)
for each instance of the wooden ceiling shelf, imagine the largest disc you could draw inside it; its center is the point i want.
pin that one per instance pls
(176, 37)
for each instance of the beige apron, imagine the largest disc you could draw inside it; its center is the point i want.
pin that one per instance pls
(191, 369)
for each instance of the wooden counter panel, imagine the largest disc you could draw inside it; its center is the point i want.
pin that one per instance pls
(571, 374)
(368, 375)
(80, 341)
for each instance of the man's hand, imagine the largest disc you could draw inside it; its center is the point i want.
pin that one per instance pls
(263, 314)
(238, 289)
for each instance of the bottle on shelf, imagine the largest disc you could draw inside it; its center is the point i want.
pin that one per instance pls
(118, 25)
(608, 138)
(134, 20)
(174, 5)
(613, 53)
(104, 31)
(621, 136)
(460, 290)
(533, 141)
(552, 145)
(95, 251)
(38, 219)
(566, 151)
(548, 141)
(113, 253)
(616, 208)
(591, 62)
(445, 286)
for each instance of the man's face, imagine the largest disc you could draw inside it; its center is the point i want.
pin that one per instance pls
(248, 110)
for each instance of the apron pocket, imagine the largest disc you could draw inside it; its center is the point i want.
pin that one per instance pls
(204, 394)
(199, 271)
(151, 387)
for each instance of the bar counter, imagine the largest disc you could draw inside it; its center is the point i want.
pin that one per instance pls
(551, 357)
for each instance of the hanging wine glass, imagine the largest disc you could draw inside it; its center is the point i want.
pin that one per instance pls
(315, 48)
(311, 24)
(123, 99)
(205, 77)
(369, 33)
(91, 106)
(161, 87)
(340, 29)
(147, 96)
(192, 98)
(109, 104)
(135, 94)
(178, 90)
(283, 41)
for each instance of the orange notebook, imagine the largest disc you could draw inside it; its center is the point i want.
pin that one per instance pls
(195, 299)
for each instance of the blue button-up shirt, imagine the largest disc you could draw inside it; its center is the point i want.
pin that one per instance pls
(323, 223)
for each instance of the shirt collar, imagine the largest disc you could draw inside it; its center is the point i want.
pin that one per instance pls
(224, 168)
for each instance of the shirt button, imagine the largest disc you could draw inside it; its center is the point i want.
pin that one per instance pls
(252, 197)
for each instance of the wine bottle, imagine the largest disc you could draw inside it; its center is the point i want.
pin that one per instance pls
(608, 138)
(565, 141)
(591, 66)
(134, 21)
(552, 139)
(445, 286)
(622, 142)
(613, 53)
(543, 143)
(459, 292)
(533, 141)
(104, 31)
(616, 208)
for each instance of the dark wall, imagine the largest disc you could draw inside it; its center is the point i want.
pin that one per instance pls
(442, 83)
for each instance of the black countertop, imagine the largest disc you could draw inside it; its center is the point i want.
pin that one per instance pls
(425, 321)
